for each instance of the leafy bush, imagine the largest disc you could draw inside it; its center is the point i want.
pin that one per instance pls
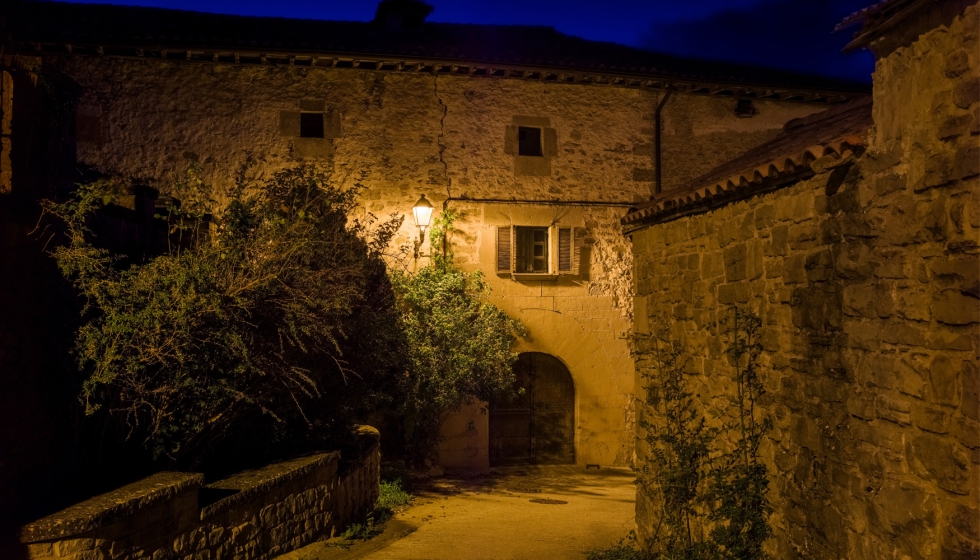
(709, 482)
(392, 495)
(459, 344)
(276, 327)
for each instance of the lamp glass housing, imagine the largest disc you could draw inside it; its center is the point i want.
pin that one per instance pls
(423, 213)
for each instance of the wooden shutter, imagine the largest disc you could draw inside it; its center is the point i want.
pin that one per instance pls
(578, 240)
(504, 249)
(565, 246)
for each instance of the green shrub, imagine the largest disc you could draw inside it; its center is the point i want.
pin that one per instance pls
(459, 344)
(392, 495)
(275, 329)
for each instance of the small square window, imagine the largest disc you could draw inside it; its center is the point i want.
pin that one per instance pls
(529, 141)
(311, 125)
(531, 250)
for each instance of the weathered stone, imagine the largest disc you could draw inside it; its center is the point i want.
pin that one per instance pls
(935, 458)
(966, 163)
(954, 126)
(965, 520)
(930, 418)
(970, 379)
(903, 334)
(944, 380)
(954, 308)
(893, 410)
(910, 511)
(966, 93)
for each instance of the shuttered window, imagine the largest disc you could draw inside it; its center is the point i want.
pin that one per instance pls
(564, 249)
(504, 249)
(538, 250)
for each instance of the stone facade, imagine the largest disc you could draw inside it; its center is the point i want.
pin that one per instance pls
(868, 291)
(251, 515)
(401, 135)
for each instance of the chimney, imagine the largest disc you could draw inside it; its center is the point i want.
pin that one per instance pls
(401, 15)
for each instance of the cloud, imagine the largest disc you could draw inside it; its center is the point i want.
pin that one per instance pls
(787, 34)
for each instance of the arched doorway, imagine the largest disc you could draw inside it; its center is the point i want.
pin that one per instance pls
(539, 426)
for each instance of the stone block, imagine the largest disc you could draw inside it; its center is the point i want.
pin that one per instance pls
(954, 308)
(903, 334)
(970, 402)
(906, 509)
(967, 432)
(819, 266)
(944, 382)
(889, 183)
(780, 240)
(966, 162)
(966, 93)
(956, 63)
(934, 457)
(735, 263)
(861, 405)
(964, 519)
(794, 269)
(863, 336)
(893, 409)
(858, 300)
(954, 126)
(930, 418)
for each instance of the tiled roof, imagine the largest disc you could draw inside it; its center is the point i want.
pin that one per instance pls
(877, 17)
(540, 53)
(782, 160)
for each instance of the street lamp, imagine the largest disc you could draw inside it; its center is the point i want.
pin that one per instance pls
(423, 216)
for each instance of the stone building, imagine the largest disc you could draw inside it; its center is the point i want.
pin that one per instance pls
(854, 235)
(542, 141)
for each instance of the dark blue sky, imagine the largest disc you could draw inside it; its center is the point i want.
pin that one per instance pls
(789, 34)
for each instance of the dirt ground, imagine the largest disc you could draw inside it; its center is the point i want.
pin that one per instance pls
(515, 513)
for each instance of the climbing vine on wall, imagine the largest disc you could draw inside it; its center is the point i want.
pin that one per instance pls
(708, 482)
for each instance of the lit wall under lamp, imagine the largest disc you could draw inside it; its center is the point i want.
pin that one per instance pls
(423, 217)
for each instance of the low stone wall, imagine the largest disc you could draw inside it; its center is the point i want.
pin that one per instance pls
(253, 514)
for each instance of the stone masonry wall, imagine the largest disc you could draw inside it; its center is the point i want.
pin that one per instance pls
(252, 515)
(868, 291)
(402, 135)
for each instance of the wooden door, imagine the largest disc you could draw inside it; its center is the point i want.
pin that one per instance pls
(538, 426)
(510, 422)
(552, 411)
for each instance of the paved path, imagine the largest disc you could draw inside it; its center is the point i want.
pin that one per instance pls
(501, 516)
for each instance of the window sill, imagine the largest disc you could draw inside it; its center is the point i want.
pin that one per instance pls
(534, 275)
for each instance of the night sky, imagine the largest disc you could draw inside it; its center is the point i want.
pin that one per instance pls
(787, 34)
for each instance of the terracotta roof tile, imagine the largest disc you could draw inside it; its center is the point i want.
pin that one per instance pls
(831, 132)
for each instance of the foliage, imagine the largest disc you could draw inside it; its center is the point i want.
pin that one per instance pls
(459, 344)
(263, 325)
(390, 498)
(709, 482)
(679, 444)
(625, 549)
(739, 483)
(392, 495)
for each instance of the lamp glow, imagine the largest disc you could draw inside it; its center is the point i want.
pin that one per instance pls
(423, 213)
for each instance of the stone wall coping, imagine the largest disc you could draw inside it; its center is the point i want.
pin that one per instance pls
(250, 484)
(110, 507)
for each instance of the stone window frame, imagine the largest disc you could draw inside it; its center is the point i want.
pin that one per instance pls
(533, 166)
(310, 147)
